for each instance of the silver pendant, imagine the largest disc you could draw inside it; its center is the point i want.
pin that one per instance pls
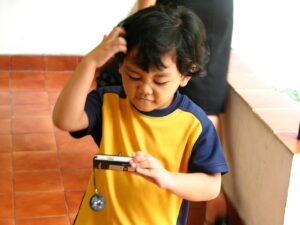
(97, 202)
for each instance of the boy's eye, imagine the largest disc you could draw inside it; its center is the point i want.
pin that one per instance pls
(133, 77)
(160, 82)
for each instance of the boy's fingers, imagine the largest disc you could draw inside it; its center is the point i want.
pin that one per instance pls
(121, 40)
(119, 48)
(139, 156)
(145, 164)
(116, 32)
(122, 49)
(143, 160)
(120, 43)
(144, 172)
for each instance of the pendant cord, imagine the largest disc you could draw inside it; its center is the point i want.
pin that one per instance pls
(95, 186)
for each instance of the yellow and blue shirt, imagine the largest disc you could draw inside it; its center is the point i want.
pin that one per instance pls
(181, 137)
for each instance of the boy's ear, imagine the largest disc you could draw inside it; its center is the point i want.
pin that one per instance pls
(184, 80)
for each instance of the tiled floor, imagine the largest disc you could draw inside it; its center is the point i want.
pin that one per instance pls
(43, 170)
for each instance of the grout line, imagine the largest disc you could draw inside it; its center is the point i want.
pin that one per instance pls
(38, 192)
(44, 217)
(12, 147)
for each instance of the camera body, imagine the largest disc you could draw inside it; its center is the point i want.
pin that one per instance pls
(112, 162)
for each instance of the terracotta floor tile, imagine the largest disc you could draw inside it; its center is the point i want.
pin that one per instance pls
(39, 204)
(7, 221)
(4, 84)
(33, 75)
(5, 98)
(5, 162)
(53, 95)
(34, 142)
(29, 160)
(29, 110)
(6, 206)
(27, 85)
(61, 63)
(74, 199)
(37, 181)
(35, 160)
(5, 111)
(55, 220)
(4, 75)
(5, 126)
(22, 62)
(58, 74)
(76, 159)
(76, 179)
(59, 131)
(31, 125)
(196, 213)
(72, 217)
(30, 98)
(63, 137)
(6, 182)
(65, 142)
(5, 143)
(56, 84)
(4, 62)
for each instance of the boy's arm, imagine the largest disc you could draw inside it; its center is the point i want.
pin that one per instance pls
(190, 186)
(145, 3)
(68, 113)
(194, 186)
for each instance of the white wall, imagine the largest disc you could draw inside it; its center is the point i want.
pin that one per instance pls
(57, 26)
(266, 38)
(265, 34)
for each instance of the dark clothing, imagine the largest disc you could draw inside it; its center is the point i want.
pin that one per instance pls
(210, 92)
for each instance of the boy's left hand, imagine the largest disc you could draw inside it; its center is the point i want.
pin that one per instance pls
(190, 186)
(150, 168)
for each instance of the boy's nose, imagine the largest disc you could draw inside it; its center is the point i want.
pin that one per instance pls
(145, 90)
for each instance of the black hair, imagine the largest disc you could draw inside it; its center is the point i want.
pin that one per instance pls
(161, 30)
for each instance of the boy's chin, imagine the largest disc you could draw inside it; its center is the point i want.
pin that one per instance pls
(144, 109)
(147, 108)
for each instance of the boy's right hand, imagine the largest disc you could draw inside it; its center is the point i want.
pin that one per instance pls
(69, 113)
(111, 44)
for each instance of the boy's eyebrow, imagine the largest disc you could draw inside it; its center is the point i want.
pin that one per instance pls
(131, 69)
(158, 74)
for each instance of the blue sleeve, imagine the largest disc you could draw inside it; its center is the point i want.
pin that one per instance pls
(93, 110)
(207, 154)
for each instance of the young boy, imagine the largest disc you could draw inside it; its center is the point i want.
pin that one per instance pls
(175, 149)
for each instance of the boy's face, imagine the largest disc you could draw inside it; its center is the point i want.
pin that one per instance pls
(152, 90)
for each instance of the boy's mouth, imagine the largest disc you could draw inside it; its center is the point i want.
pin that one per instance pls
(144, 99)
